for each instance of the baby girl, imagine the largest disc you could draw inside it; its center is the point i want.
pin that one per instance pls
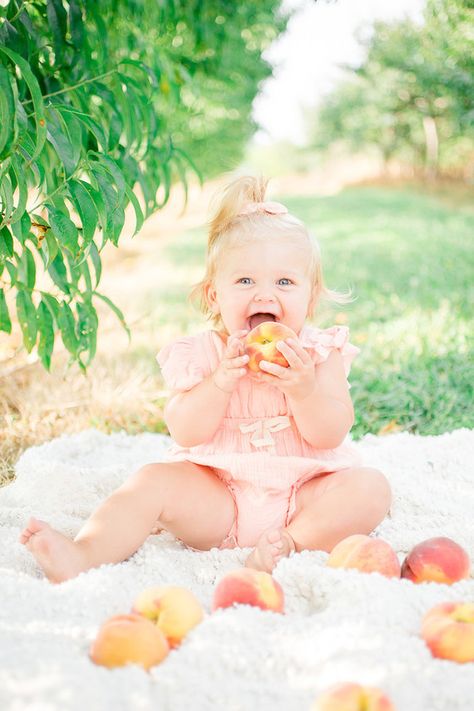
(259, 460)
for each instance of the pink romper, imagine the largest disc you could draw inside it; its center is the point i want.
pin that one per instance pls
(257, 450)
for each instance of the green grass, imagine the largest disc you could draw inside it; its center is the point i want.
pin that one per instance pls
(409, 258)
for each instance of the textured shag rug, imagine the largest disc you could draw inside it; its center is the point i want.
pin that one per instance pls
(339, 625)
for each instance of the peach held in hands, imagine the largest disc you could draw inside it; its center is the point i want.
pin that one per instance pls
(353, 697)
(128, 639)
(249, 587)
(369, 555)
(174, 610)
(448, 630)
(260, 344)
(440, 560)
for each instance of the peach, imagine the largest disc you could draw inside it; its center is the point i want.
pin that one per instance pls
(369, 555)
(448, 631)
(353, 697)
(128, 639)
(247, 586)
(173, 609)
(440, 560)
(260, 344)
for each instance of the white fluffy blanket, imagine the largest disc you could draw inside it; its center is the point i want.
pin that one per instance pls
(339, 625)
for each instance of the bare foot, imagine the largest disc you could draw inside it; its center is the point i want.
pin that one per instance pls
(58, 556)
(272, 546)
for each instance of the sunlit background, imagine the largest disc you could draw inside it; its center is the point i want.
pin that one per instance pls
(360, 113)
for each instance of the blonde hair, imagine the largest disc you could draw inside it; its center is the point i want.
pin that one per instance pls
(228, 227)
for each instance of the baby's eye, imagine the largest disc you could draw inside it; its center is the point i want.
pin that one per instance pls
(284, 282)
(244, 280)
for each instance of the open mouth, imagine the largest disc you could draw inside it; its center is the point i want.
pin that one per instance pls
(256, 319)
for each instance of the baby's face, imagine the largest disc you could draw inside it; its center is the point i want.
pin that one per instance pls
(262, 281)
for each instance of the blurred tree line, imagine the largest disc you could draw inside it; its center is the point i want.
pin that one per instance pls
(102, 105)
(413, 97)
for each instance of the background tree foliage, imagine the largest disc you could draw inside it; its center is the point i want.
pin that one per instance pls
(99, 103)
(413, 97)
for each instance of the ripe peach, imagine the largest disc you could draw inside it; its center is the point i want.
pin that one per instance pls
(440, 560)
(353, 697)
(173, 609)
(448, 631)
(128, 639)
(369, 555)
(260, 344)
(247, 586)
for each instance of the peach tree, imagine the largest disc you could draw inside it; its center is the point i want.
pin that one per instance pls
(89, 97)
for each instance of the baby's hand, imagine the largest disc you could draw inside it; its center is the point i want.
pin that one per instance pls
(299, 379)
(233, 364)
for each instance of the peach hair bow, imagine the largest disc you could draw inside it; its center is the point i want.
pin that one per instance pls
(270, 208)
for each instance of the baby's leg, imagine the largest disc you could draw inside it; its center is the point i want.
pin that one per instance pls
(332, 507)
(186, 499)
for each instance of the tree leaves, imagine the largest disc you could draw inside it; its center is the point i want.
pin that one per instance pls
(85, 132)
(34, 89)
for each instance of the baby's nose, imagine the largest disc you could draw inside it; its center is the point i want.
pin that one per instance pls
(264, 295)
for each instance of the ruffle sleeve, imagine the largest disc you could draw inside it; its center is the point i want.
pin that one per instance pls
(181, 364)
(321, 342)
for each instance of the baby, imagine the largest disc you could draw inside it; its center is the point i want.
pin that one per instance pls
(260, 460)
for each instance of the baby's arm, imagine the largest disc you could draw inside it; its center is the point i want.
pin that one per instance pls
(193, 416)
(325, 416)
(318, 395)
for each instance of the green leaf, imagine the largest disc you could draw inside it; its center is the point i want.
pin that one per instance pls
(46, 335)
(12, 271)
(5, 322)
(92, 126)
(22, 188)
(59, 136)
(139, 218)
(150, 74)
(6, 243)
(36, 97)
(67, 325)
(116, 311)
(58, 273)
(6, 197)
(27, 269)
(84, 270)
(27, 318)
(114, 171)
(85, 208)
(7, 113)
(115, 213)
(22, 228)
(96, 261)
(98, 201)
(64, 230)
(87, 324)
(76, 25)
(57, 18)
(52, 304)
(123, 103)
(192, 164)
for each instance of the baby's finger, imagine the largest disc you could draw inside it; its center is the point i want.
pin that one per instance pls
(234, 348)
(273, 368)
(294, 360)
(234, 344)
(299, 350)
(238, 362)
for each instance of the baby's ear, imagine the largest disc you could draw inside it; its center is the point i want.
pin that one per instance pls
(211, 297)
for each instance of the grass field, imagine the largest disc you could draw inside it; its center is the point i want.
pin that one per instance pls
(407, 254)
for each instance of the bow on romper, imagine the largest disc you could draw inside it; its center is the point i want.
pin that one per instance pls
(257, 450)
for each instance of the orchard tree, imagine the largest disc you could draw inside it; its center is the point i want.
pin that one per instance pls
(102, 106)
(413, 96)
